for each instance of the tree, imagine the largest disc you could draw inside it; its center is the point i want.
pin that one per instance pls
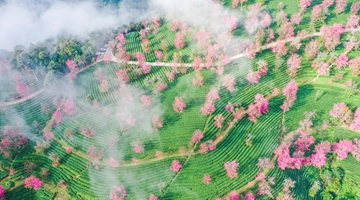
(206, 179)
(138, 146)
(180, 40)
(145, 45)
(107, 57)
(264, 163)
(118, 193)
(296, 18)
(175, 166)
(312, 49)
(197, 136)
(286, 30)
(122, 75)
(249, 196)
(208, 109)
(231, 168)
(104, 86)
(199, 79)
(32, 182)
(213, 94)
(290, 93)
(57, 116)
(317, 13)
(48, 135)
(253, 77)
(219, 119)
(354, 64)
(340, 6)
(146, 100)
(89, 132)
(153, 197)
(355, 8)
(121, 38)
(93, 151)
(69, 107)
(179, 104)
(203, 38)
(233, 195)
(342, 61)
(157, 122)
(159, 55)
(231, 22)
(265, 21)
(113, 163)
(279, 48)
(229, 82)
(22, 89)
(331, 35)
(294, 63)
(197, 64)
(342, 148)
(352, 22)
(304, 4)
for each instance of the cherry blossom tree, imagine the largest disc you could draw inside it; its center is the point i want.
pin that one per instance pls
(304, 4)
(354, 64)
(355, 7)
(197, 136)
(121, 38)
(233, 195)
(265, 21)
(213, 94)
(219, 119)
(342, 61)
(206, 179)
(159, 55)
(249, 196)
(340, 6)
(72, 66)
(327, 3)
(68, 149)
(229, 82)
(296, 18)
(153, 197)
(352, 22)
(122, 75)
(253, 77)
(180, 40)
(179, 104)
(118, 193)
(93, 151)
(294, 63)
(312, 49)
(317, 13)
(208, 109)
(265, 189)
(88, 132)
(145, 45)
(231, 23)
(69, 107)
(342, 148)
(290, 93)
(286, 30)
(107, 57)
(22, 89)
(203, 38)
(331, 35)
(199, 79)
(48, 135)
(57, 116)
(138, 146)
(279, 48)
(157, 122)
(197, 64)
(231, 168)
(146, 100)
(159, 154)
(32, 182)
(175, 166)
(113, 163)
(104, 86)
(265, 163)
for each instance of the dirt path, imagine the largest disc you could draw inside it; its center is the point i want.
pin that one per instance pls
(167, 64)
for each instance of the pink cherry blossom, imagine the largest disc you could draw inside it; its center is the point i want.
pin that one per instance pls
(175, 166)
(231, 168)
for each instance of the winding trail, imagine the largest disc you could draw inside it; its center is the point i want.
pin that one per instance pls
(167, 64)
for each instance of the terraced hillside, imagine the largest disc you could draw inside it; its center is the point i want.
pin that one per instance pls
(182, 111)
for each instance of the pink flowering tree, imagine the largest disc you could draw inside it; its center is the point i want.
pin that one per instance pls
(48, 135)
(219, 119)
(331, 35)
(290, 93)
(180, 40)
(175, 166)
(121, 38)
(352, 22)
(157, 122)
(229, 82)
(146, 100)
(206, 179)
(199, 79)
(340, 6)
(213, 95)
(231, 168)
(203, 38)
(179, 104)
(279, 48)
(341, 113)
(208, 109)
(312, 49)
(231, 23)
(197, 136)
(342, 61)
(122, 75)
(138, 146)
(72, 66)
(342, 148)
(355, 7)
(303, 4)
(113, 163)
(253, 77)
(354, 64)
(265, 21)
(118, 193)
(57, 116)
(22, 89)
(32, 182)
(294, 63)
(69, 107)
